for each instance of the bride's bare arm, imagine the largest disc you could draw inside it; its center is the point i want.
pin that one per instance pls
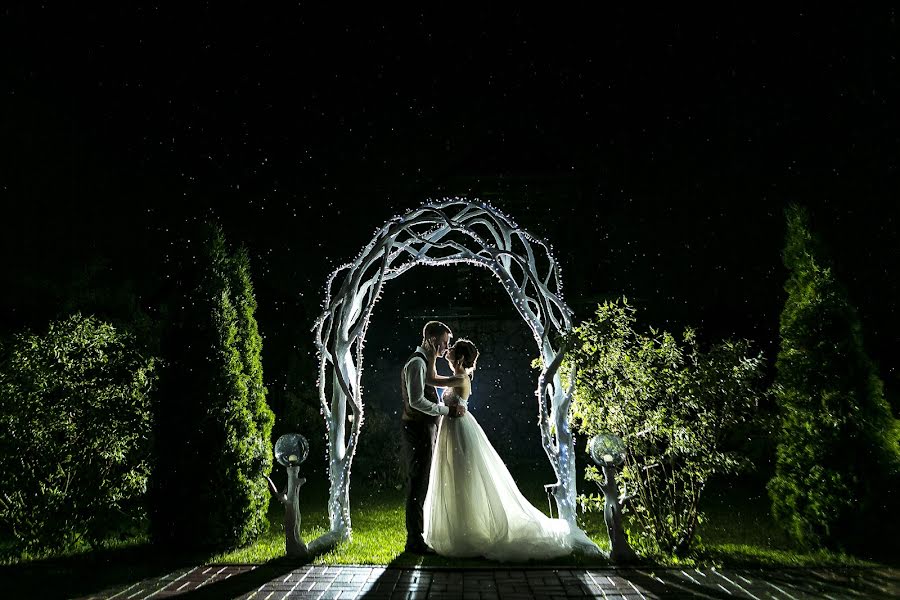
(443, 381)
(432, 378)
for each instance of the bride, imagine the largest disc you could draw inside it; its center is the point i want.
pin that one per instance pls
(473, 507)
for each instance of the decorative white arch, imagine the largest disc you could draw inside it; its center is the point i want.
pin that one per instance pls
(448, 232)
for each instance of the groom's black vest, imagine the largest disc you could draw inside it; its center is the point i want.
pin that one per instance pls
(409, 413)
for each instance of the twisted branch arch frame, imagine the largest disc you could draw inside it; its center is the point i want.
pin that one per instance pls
(446, 232)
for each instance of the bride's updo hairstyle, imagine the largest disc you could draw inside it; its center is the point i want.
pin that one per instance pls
(467, 351)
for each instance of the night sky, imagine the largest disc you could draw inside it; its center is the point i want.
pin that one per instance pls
(654, 150)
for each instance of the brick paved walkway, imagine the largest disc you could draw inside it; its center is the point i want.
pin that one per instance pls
(322, 582)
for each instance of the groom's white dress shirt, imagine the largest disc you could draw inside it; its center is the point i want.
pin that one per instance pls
(414, 376)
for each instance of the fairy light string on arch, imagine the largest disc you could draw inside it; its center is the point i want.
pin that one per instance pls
(439, 233)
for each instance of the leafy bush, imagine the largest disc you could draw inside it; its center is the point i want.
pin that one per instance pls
(673, 405)
(74, 434)
(837, 457)
(300, 411)
(213, 423)
(379, 456)
(301, 414)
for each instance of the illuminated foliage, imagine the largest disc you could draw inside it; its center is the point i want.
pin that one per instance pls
(673, 405)
(213, 423)
(838, 447)
(74, 434)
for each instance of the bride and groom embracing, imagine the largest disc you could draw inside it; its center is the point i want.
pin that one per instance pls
(461, 500)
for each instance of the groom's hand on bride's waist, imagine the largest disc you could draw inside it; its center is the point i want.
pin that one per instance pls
(457, 411)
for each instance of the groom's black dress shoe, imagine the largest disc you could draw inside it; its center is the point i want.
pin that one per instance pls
(419, 549)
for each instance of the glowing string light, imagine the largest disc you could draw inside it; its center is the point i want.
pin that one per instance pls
(438, 233)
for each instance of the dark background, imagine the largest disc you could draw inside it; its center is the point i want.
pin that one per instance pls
(655, 150)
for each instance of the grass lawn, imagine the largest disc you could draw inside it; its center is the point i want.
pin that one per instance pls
(738, 530)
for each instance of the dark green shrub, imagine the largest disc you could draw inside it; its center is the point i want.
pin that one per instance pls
(213, 423)
(378, 460)
(837, 452)
(302, 414)
(74, 434)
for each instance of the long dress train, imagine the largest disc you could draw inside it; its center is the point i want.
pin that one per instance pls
(474, 508)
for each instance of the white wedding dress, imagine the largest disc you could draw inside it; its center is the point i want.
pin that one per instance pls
(474, 508)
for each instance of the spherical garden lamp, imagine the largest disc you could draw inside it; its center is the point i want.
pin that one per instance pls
(607, 450)
(291, 449)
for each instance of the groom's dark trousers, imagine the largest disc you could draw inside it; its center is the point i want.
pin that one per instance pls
(418, 446)
(419, 437)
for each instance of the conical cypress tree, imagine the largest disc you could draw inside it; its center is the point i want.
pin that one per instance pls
(250, 454)
(213, 424)
(837, 454)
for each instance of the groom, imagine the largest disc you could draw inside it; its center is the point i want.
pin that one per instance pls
(421, 409)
